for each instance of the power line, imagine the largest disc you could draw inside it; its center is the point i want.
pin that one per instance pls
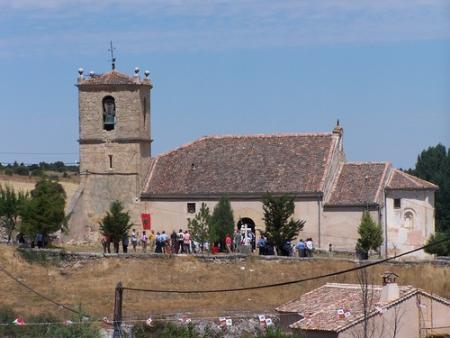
(48, 299)
(26, 164)
(288, 282)
(36, 153)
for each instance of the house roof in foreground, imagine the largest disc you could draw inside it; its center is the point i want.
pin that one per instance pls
(400, 180)
(319, 307)
(359, 183)
(292, 163)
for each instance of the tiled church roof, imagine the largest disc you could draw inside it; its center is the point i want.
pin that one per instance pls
(403, 181)
(112, 78)
(358, 184)
(243, 165)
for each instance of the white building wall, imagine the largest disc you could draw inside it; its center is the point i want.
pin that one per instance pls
(173, 215)
(409, 226)
(340, 227)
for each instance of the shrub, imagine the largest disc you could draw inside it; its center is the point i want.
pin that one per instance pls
(222, 221)
(370, 236)
(274, 333)
(54, 328)
(441, 249)
(164, 330)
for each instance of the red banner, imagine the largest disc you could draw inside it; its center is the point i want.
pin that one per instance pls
(146, 221)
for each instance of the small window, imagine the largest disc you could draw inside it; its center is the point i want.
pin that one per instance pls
(409, 219)
(191, 208)
(397, 203)
(109, 113)
(110, 162)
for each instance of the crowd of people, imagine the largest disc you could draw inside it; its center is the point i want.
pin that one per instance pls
(241, 241)
(159, 242)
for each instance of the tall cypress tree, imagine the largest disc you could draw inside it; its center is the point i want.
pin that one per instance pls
(199, 226)
(370, 235)
(116, 224)
(222, 221)
(280, 225)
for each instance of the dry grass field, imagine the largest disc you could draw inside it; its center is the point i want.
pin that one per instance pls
(91, 283)
(24, 183)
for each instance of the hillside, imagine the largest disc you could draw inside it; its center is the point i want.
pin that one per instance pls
(27, 183)
(91, 283)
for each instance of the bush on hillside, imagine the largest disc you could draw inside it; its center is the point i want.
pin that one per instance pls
(54, 328)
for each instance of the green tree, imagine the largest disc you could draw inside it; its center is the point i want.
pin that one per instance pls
(116, 224)
(11, 204)
(222, 221)
(370, 235)
(200, 226)
(21, 170)
(441, 249)
(433, 164)
(44, 212)
(280, 225)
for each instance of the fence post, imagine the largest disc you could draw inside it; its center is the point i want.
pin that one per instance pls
(118, 311)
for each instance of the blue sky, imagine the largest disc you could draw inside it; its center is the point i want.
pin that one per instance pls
(233, 67)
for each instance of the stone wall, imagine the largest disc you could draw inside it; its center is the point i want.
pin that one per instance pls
(340, 227)
(113, 164)
(130, 112)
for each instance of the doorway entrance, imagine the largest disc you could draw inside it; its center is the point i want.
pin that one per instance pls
(247, 223)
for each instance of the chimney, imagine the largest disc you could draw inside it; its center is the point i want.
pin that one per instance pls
(338, 132)
(390, 290)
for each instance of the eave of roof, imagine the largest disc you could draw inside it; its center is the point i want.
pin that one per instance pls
(231, 195)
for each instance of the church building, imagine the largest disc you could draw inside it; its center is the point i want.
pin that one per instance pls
(330, 193)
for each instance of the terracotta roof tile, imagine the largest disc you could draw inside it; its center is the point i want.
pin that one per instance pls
(112, 78)
(243, 164)
(358, 184)
(320, 306)
(403, 181)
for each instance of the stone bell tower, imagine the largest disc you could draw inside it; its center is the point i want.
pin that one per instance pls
(115, 143)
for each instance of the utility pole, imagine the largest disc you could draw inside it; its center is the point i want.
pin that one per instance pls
(118, 311)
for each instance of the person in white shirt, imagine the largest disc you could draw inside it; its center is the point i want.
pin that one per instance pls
(309, 247)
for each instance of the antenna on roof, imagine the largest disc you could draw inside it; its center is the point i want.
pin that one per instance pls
(113, 59)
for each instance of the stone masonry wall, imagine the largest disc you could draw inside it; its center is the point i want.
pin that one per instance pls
(122, 176)
(129, 113)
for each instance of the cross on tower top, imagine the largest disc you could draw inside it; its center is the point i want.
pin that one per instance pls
(113, 59)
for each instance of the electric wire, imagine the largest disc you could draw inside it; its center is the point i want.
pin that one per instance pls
(48, 299)
(297, 281)
(89, 321)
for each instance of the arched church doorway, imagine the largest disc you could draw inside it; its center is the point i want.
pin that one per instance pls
(246, 221)
(246, 224)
